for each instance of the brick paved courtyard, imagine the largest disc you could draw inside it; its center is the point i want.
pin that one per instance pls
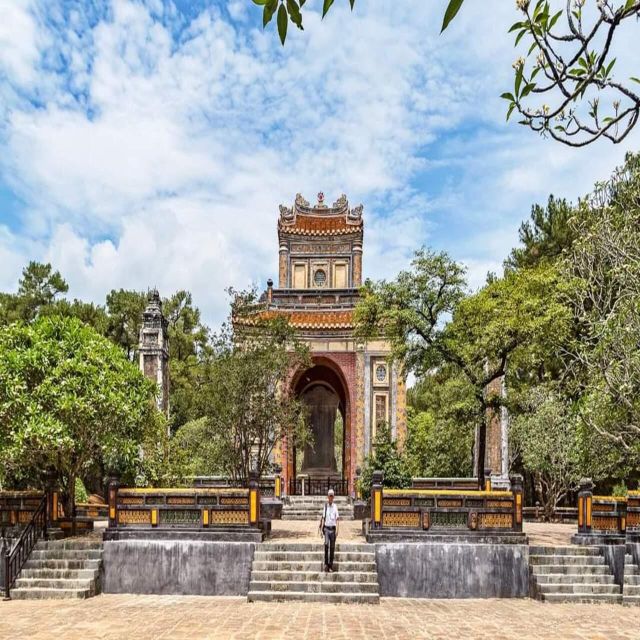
(180, 618)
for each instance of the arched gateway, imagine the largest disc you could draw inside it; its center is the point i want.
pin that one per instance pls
(350, 387)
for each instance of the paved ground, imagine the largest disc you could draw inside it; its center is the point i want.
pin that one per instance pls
(351, 531)
(194, 618)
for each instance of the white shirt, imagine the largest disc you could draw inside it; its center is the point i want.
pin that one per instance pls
(330, 515)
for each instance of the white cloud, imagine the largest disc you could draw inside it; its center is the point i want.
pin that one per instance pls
(160, 153)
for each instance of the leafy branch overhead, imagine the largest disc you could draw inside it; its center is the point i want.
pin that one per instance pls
(291, 10)
(569, 91)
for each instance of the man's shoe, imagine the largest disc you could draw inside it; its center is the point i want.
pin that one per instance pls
(326, 568)
(330, 569)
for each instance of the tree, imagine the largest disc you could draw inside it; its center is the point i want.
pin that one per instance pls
(574, 68)
(248, 410)
(521, 311)
(547, 435)
(573, 72)
(39, 286)
(442, 412)
(545, 236)
(125, 310)
(387, 458)
(603, 360)
(69, 401)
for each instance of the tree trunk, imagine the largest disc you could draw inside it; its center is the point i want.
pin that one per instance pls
(481, 446)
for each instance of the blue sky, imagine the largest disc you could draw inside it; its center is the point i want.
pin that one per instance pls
(150, 143)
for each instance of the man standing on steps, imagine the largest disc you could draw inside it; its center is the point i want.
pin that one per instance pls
(329, 529)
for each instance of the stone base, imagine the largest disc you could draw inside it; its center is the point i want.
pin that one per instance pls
(453, 570)
(444, 536)
(219, 534)
(177, 567)
(597, 539)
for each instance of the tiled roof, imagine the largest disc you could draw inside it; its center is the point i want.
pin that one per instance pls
(311, 319)
(322, 225)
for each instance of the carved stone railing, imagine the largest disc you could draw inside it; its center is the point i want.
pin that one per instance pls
(600, 518)
(633, 514)
(445, 511)
(177, 508)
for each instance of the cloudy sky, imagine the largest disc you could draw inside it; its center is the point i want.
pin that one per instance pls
(150, 143)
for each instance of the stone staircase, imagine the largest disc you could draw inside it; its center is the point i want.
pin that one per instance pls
(283, 572)
(59, 569)
(310, 507)
(572, 574)
(631, 588)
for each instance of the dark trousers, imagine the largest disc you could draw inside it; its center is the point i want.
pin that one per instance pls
(329, 545)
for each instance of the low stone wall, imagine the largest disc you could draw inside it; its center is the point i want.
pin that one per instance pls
(177, 567)
(453, 570)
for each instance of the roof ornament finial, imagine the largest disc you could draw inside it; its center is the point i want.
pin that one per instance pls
(321, 199)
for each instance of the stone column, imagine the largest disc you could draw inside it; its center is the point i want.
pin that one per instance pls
(283, 267)
(357, 265)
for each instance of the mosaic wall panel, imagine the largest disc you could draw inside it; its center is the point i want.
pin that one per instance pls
(605, 523)
(445, 502)
(134, 516)
(189, 517)
(229, 517)
(180, 500)
(24, 517)
(397, 502)
(207, 500)
(128, 501)
(603, 507)
(633, 519)
(501, 504)
(495, 520)
(425, 502)
(408, 519)
(451, 520)
(238, 500)
(475, 502)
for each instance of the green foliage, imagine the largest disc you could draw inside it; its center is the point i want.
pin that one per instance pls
(81, 494)
(69, 401)
(620, 490)
(386, 458)
(292, 9)
(440, 434)
(125, 309)
(38, 287)
(545, 237)
(247, 411)
(548, 438)
(205, 455)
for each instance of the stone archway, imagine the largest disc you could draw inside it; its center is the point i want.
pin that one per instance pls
(324, 389)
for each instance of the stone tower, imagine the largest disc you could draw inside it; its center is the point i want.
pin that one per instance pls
(154, 348)
(350, 382)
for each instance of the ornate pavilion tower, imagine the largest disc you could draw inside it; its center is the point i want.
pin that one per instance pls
(320, 272)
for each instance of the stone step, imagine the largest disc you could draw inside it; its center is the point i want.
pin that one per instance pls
(608, 598)
(631, 600)
(303, 576)
(57, 574)
(309, 596)
(50, 594)
(66, 554)
(309, 556)
(565, 560)
(70, 543)
(317, 565)
(631, 589)
(633, 579)
(317, 586)
(351, 547)
(631, 570)
(302, 517)
(53, 583)
(41, 563)
(569, 568)
(571, 578)
(569, 550)
(578, 588)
